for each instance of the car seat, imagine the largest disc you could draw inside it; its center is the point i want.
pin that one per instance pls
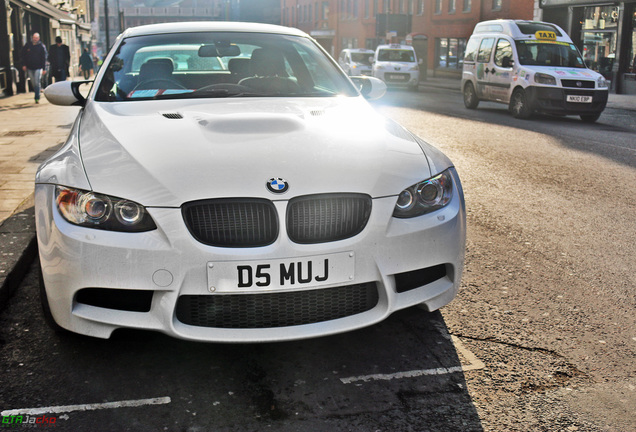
(267, 67)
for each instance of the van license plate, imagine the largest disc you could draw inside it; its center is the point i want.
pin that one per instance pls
(579, 99)
(257, 276)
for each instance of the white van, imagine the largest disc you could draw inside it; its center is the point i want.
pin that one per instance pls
(531, 66)
(396, 65)
(356, 61)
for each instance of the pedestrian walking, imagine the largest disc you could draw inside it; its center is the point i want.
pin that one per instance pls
(86, 64)
(60, 59)
(33, 62)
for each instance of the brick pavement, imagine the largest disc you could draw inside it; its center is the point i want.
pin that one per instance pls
(29, 134)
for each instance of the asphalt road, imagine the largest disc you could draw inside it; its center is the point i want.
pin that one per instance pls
(541, 336)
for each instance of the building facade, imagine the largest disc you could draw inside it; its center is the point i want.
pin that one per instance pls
(19, 19)
(439, 28)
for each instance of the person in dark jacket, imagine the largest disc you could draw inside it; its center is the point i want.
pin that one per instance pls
(86, 64)
(60, 59)
(33, 62)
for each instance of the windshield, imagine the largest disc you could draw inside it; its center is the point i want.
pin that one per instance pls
(362, 58)
(396, 55)
(532, 53)
(199, 65)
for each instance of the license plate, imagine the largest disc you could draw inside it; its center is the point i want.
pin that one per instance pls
(267, 275)
(579, 99)
(398, 77)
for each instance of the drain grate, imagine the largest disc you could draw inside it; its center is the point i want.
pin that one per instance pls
(21, 133)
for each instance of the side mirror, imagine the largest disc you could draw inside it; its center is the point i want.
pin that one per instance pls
(507, 62)
(369, 87)
(66, 93)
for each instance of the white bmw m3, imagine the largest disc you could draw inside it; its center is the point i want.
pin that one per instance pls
(228, 182)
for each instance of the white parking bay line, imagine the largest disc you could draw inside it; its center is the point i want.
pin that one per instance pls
(86, 407)
(473, 364)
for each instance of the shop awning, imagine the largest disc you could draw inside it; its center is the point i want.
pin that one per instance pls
(45, 9)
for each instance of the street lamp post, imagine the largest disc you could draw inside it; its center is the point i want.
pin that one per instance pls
(106, 25)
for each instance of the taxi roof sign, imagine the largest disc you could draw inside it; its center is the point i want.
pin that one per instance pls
(545, 35)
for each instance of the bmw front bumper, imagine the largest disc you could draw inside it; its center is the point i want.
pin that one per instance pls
(99, 281)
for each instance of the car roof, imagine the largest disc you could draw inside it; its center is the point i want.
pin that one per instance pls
(396, 46)
(211, 26)
(520, 29)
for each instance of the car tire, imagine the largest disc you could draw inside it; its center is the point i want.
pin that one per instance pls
(46, 309)
(470, 96)
(519, 106)
(590, 118)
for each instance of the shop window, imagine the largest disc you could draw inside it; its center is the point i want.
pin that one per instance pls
(449, 53)
(599, 38)
(599, 51)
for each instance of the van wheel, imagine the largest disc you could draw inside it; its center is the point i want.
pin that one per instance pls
(46, 309)
(470, 97)
(590, 118)
(519, 106)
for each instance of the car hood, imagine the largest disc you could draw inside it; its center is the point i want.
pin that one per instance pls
(396, 64)
(165, 153)
(563, 72)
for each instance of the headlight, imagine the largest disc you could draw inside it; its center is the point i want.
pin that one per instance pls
(93, 210)
(379, 67)
(601, 83)
(541, 78)
(414, 68)
(424, 197)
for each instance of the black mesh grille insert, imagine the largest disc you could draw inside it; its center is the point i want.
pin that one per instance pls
(575, 83)
(269, 310)
(325, 218)
(232, 222)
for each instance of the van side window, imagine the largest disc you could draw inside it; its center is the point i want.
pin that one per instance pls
(485, 49)
(471, 50)
(504, 49)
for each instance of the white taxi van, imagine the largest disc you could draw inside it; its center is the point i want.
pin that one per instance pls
(396, 65)
(531, 66)
(356, 61)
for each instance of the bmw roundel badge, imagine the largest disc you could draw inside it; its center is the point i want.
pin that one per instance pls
(277, 185)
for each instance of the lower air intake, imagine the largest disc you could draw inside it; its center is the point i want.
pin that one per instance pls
(268, 310)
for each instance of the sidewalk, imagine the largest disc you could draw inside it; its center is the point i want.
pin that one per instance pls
(30, 133)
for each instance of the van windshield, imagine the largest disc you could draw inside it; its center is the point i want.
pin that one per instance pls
(396, 55)
(362, 58)
(533, 53)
